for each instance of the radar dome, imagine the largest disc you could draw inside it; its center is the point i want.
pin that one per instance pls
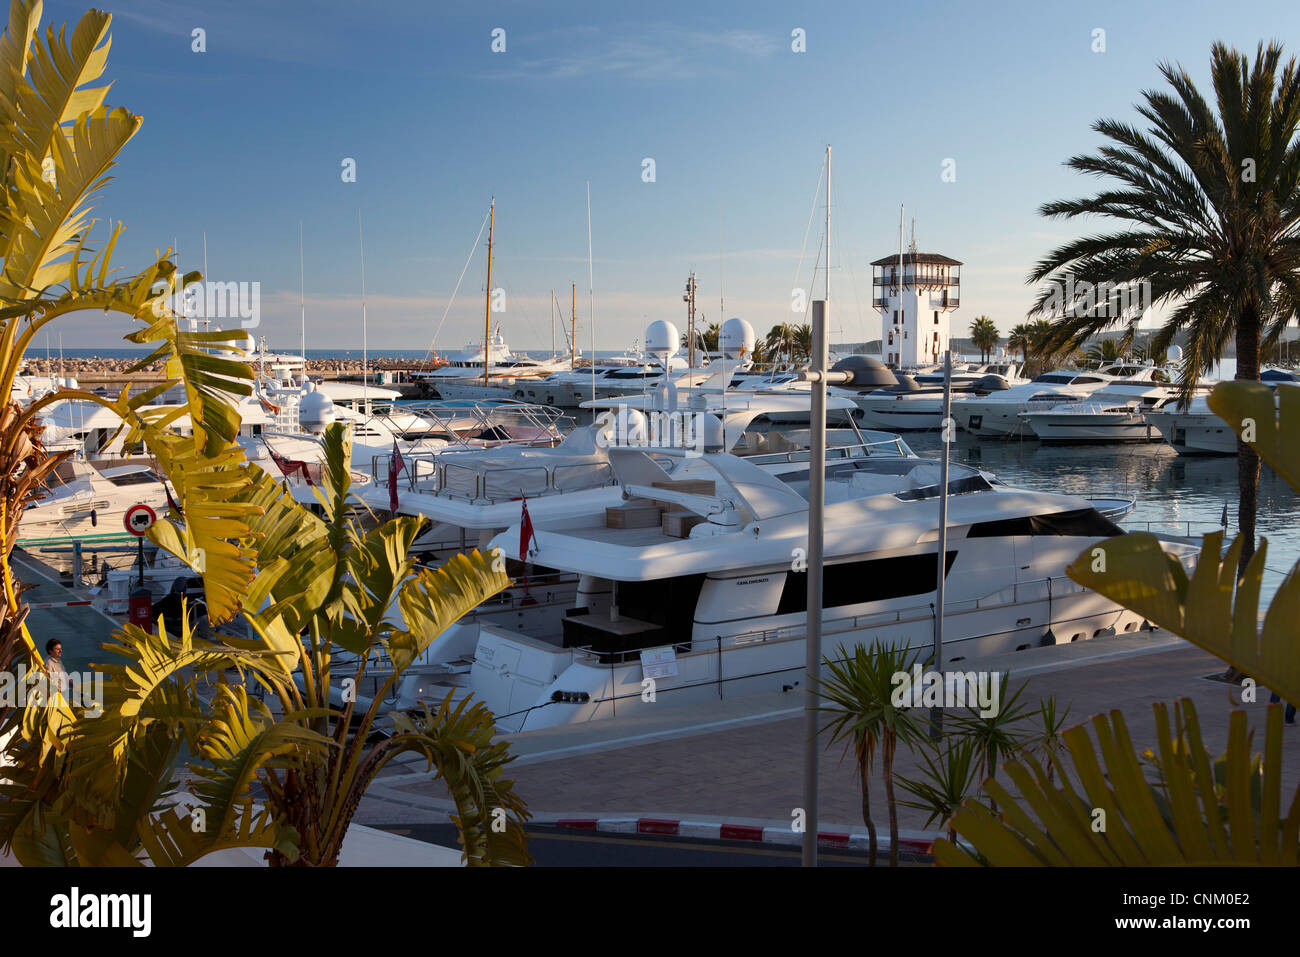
(661, 339)
(1175, 354)
(867, 370)
(315, 410)
(990, 383)
(736, 339)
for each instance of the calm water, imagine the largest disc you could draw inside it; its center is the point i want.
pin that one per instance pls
(1175, 493)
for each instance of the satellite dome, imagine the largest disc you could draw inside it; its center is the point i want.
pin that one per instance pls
(711, 433)
(315, 410)
(736, 338)
(1175, 354)
(661, 339)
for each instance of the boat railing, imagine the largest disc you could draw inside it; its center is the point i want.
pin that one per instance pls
(1047, 587)
(838, 452)
(454, 474)
(465, 423)
(1038, 589)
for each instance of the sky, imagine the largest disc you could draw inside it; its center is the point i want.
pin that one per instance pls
(250, 138)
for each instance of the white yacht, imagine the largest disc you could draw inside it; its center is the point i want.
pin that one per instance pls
(1198, 431)
(997, 414)
(692, 575)
(1115, 413)
(571, 387)
(88, 504)
(462, 377)
(913, 405)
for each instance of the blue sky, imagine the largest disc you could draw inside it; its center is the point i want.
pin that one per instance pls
(247, 139)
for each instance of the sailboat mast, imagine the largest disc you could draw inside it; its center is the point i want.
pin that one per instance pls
(302, 299)
(552, 323)
(573, 328)
(487, 303)
(365, 343)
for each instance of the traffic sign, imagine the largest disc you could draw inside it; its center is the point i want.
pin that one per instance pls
(139, 519)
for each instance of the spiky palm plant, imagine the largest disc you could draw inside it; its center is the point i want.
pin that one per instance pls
(58, 142)
(858, 692)
(1205, 204)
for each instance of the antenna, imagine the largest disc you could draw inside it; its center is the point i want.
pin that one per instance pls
(302, 300)
(365, 353)
(591, 295)
(205, 279)
(487, 304)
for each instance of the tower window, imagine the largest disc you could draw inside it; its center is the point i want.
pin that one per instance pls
(895, 317)
(936, 317)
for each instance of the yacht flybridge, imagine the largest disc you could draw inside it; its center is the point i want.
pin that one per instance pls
(696, 569)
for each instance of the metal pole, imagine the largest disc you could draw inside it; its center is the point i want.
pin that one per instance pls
(816, 543)
(945, 436)
(76, 563)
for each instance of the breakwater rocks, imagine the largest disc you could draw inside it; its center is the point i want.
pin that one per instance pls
(101, 367)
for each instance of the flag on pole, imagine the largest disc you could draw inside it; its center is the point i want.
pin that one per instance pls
(395, 466)
(526, 535)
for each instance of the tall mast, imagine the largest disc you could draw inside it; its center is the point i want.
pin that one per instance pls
(816, 545)
(591, 296)
(205, 277)
(898, 340)
(487, 304)
(552, 323)
(302, 299)
(573, 328)
(365, 345)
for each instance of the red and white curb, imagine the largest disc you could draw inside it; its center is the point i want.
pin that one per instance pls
(714, 830)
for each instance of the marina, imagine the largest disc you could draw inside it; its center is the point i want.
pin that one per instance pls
(913, 486)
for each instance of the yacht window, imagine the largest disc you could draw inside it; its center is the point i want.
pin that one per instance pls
(669, 602)
(146, 477)
(1087, 380)
(960, 486)
(1081, 523)
(1057, 378)
(852, 583)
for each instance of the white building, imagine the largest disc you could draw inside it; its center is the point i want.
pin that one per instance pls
(915, 322)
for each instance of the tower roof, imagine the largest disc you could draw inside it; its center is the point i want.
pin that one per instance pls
(911, 259)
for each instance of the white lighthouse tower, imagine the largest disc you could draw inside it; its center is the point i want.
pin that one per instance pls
(916, 294)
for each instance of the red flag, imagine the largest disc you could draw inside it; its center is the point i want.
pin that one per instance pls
(525, 532)
(394, 466)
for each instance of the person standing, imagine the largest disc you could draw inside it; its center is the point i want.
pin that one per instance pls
(54, 666)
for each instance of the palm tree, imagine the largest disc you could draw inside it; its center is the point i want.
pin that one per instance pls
(59, 142)
(322, 588)
(998, 735)
(802, 344)
(1104, 351)
(780, 341)
(1020, 341)
(984, 336)
(1205, 204)
(946, 779)
(859, 690)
